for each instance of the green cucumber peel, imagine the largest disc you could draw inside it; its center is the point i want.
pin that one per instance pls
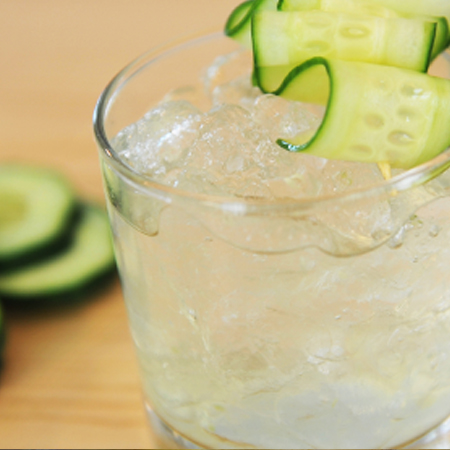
(298, 5)
(407, 7)
(435, 11)
(419, 7)
(73, 272)
(2, 333)
(284, 40)
(37, 208)
(239, 17)
(373, 113)
(289, 82)
(238, 25)
(442, 39)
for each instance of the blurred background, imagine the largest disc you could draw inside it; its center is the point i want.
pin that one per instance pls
(69, 377)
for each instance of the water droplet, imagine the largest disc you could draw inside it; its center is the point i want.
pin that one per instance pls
(151, 225)
(192, 315)
(354, 32)
(434, 230)
(409, 226)
(397, 240)
(401, 138)
(415, 222)
(374, 121)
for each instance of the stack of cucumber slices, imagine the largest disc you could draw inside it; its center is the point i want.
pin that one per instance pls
(366, 61)
(52, 245)
(2, 334)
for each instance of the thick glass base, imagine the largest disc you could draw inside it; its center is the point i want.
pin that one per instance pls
(438, 438)
(167, 438)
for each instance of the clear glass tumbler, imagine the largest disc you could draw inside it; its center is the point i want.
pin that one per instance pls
(322, 323)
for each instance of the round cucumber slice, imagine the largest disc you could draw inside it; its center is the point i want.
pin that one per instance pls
(36, 208)
(283, 40)
(374, 113)
(73, 271)
(2, 333)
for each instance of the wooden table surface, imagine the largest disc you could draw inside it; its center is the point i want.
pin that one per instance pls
(70, 377)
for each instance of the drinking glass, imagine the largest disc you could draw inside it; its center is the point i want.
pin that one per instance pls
(315, 323)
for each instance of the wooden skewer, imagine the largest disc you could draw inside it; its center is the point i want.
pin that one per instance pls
(385, 169)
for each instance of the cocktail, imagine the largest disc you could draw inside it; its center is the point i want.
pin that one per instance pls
(276, 299)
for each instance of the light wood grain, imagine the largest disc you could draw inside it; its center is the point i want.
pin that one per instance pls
(70, 377)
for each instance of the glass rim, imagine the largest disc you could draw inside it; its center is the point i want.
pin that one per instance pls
(405, 181)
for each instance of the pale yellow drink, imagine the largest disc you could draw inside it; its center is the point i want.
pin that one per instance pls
(285, 321)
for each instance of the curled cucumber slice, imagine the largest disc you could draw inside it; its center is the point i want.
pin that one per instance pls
(374, 7)
(283, 40)
(442, 38)
(356, 6)
(418, 7)
(238, 25)
(374, 113)
(435, 11)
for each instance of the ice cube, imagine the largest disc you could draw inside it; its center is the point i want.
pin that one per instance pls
(158, 139)
(238, 92)
(194, 94)
(227, 68)
(284, 119)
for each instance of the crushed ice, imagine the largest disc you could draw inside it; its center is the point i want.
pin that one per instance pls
(219, 138)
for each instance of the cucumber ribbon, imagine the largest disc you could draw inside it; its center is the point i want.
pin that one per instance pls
(284, 40)
(373, 113)
(379, 106)
(238, 25)
(437, 11)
